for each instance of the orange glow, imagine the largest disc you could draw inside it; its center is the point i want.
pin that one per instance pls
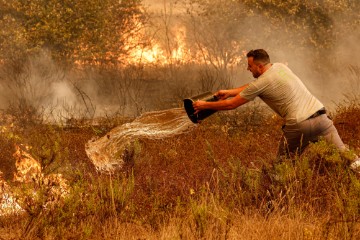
(157, 54)
(178, 52)
(174, 51)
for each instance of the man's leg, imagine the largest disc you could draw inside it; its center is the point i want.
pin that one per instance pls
(297, 137)
(323, 126)
(331, 135)
(293, 141)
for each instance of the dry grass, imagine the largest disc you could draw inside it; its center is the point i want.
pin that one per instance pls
(218, 181)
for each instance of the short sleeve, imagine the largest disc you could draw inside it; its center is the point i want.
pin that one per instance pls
(253, 90)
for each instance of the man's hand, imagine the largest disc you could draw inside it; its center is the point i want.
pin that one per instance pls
(198, 106)
(223, 94)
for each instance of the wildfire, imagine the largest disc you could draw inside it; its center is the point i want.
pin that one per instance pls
(156, 53)
(28, 172)
(174, 48)
(178, 50)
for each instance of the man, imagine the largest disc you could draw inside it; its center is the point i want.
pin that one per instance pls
(305, 116)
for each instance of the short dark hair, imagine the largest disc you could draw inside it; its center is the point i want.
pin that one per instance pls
(259, 55)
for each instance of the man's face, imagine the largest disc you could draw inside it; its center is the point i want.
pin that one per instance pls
(254, 68)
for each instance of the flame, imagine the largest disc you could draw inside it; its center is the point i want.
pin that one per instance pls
(28, 172)
(156, 53)
(174, 50)
(178, 51)
(28, 169)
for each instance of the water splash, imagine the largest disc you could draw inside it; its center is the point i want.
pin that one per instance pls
(107, 153)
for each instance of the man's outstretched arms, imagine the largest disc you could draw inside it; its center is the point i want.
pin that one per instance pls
(229, 99)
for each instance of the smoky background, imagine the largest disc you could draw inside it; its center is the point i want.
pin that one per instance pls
(188, 47)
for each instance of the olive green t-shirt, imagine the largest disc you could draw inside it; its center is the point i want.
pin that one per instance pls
(284, 92)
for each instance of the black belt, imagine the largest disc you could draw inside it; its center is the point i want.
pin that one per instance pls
(318, 113)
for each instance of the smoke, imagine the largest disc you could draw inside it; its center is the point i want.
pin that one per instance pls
(28, 81)
(317, 40)
(62, 91)
(39, 86)
(324, 56)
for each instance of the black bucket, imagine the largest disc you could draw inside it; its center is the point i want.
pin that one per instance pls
(196, 118)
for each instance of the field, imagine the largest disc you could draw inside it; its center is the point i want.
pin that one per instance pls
(71, 71)
(218, 181)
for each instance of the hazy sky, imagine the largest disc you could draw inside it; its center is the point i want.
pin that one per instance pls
(157, 4)
(153, 4)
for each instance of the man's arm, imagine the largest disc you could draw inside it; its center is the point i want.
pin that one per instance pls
(227, 104)
(224, 94)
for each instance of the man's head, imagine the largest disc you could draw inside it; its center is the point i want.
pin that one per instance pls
(257, 60)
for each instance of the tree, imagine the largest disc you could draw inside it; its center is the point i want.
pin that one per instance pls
(215, 31)
(225, 28)
(90, 31)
